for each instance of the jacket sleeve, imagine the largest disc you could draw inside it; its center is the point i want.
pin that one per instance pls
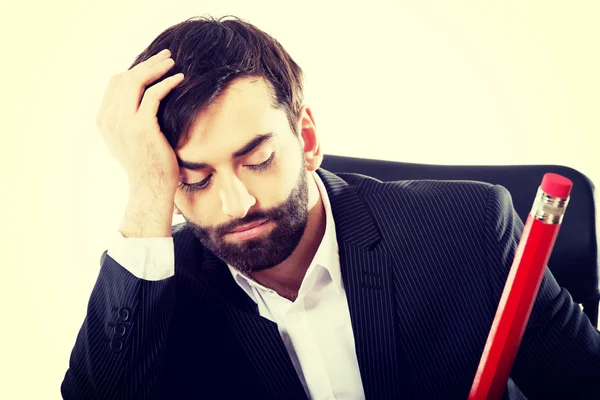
(120, 347)
(560, 351)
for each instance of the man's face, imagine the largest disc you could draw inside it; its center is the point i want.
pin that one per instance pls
(253, 172)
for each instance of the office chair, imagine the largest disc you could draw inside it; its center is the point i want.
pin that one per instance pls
(574, 260)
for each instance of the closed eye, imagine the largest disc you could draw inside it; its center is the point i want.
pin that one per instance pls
(263, 165)
(205, 183)
(192, 187)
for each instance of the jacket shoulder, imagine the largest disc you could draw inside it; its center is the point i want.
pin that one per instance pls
(452, 202)
(367, 185)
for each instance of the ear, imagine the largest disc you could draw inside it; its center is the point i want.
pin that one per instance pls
(307, 129)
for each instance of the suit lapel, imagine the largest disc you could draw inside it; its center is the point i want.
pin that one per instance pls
(368, 282)
(259, 337)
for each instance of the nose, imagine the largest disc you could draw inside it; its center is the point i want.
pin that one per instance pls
(235, 199)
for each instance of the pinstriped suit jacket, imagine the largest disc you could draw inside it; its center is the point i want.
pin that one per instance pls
(423, 264)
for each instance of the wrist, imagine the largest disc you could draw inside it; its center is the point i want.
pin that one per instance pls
(147, 216)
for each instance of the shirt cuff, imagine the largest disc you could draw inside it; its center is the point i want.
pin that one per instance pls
(151, 259)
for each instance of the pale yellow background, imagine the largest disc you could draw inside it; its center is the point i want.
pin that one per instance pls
(447, 82)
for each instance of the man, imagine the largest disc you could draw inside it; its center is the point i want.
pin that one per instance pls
(287, 281)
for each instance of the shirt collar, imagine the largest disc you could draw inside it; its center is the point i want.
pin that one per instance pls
(327, 255)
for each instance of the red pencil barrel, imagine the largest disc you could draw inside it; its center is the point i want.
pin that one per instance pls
(514, 309)
(522, 285)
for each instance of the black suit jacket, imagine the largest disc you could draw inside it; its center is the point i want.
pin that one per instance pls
(423, 264)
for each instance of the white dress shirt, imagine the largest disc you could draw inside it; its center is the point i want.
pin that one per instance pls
(315, 328)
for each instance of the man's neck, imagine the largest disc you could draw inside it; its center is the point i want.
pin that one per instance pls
(287, 277)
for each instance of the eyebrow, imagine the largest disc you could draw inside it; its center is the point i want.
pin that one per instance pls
(247, 148)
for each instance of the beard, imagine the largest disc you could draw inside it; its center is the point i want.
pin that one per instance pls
(269, 250)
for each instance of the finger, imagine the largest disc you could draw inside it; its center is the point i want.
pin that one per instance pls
(154, 94)
(132, 99)
(155, 59)
(134, 84)
(140, 73)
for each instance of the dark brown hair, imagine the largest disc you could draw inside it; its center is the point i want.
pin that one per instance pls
(213, 52)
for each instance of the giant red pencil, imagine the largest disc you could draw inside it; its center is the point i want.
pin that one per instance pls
(520, 291)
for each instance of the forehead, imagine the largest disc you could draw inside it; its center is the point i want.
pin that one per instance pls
(243, 111)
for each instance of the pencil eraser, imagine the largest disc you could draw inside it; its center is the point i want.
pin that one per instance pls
(556, 185)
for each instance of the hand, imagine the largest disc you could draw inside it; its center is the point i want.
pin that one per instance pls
(128, 121)
(129, 124)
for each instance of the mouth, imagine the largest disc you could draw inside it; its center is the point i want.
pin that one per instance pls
(249, 231)
(247, 227)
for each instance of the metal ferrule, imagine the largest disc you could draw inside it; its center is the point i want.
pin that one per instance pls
(548, 209)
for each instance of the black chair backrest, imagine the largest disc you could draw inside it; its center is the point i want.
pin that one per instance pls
(574, 260)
